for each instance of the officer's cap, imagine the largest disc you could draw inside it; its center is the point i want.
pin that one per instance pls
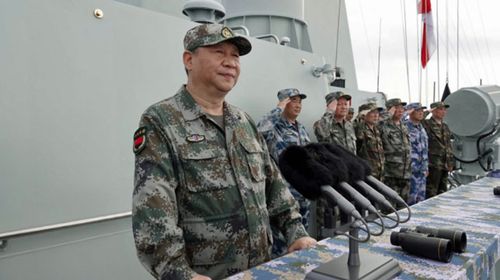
(394, 102)
(370, 106)
(212, 34)
(336, 95)
(290, 92)
(439, 105)
(415, 106)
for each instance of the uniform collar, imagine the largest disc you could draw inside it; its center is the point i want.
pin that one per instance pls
(435, 121)
(289, 124)
(191, 110)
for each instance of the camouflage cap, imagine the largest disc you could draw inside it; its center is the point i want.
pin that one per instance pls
(394, 102)
(290, 92)
(439, 105)
(415, 106)
(212, 34)
(336, 95)
(370, 107)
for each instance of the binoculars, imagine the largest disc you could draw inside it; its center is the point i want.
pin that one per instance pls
(496, 190)
(436, 244)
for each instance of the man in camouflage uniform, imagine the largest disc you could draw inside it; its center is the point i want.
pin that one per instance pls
(350, 114)
(368, 141)
(206, 190)
(396, 144)
(333, 126)
(281, 129)
(440, 151)
(419, 152)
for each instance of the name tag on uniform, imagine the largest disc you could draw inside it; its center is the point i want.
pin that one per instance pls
(195, 138)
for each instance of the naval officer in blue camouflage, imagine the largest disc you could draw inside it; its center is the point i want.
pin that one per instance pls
(280, 126)
(206, 190)
(281, 129)
(419, 152)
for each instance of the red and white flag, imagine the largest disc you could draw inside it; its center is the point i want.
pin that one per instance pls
(428, 39)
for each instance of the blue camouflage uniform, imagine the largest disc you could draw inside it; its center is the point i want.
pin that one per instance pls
(419, 161)
(279, 133)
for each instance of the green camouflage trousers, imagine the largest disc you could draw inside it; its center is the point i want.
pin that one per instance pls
(401, 186)
(436, 182)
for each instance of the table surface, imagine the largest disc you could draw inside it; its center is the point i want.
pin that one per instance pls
(471, 208)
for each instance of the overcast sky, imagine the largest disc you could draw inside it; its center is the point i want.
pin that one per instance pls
(479, 52)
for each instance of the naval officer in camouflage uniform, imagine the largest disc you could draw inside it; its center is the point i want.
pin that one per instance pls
(333, 126)
(206, 190)
(350, 114)
(281, 129)
(441, 159)
(368, 141)
(396, 142)
(419, 152)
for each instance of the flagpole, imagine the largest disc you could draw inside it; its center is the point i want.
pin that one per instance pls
(434, 92)
(458, 44)
(447, 44)
(405, 34)
(426, 87)
(418, 59)
(437, 31)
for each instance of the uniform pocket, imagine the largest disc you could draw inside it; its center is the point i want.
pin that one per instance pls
(255, 159)
(205, 168)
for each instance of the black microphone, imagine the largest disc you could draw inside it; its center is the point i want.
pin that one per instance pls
(374, 182)
(312, 179)
(339, 173)
(383, 188)
(357, 170)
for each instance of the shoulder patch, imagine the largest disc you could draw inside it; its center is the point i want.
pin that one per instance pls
(139, 139)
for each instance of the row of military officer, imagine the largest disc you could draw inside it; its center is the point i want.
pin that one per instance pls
(405, 151)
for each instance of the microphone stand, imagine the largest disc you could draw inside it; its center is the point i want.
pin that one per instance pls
(354, 266)
(353, 259)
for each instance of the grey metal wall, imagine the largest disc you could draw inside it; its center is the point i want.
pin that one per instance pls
(72, 88)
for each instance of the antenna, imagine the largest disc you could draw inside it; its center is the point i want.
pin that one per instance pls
(338, 33)
(378, 64)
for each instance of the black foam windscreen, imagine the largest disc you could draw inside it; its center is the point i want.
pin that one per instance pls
(355, 167)
(334, 164)
(303, 172)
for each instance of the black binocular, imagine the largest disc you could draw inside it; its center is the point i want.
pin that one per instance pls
(436, 244)
(496, 190)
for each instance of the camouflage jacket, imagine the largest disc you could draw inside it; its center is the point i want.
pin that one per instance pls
(419, 148)
(280, 133)
(204, 199)
(440, 150)
(369, 146)
(396, 144)
(327, 129)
